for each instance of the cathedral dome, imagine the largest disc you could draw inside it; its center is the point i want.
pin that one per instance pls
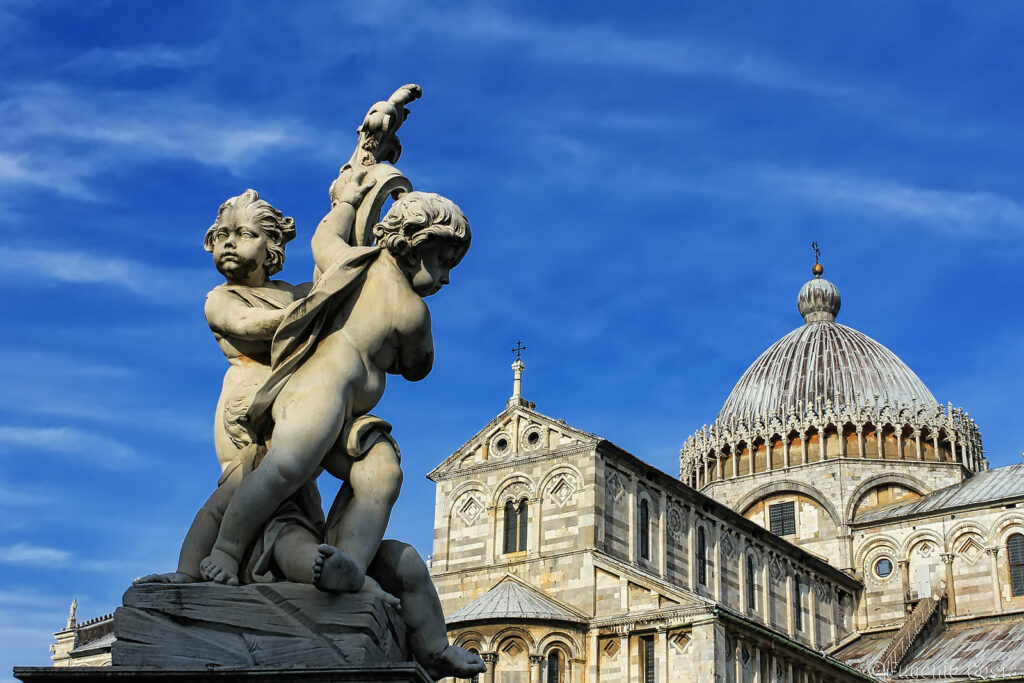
(823, 361)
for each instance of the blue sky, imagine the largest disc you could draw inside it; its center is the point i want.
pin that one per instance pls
(643, 183)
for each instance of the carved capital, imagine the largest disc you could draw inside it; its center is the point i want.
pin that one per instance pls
(903, 564)
(947, 558)
(489, 657)
(993, 551)
(536, 660)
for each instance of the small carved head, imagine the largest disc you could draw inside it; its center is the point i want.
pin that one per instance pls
(248, 209)
(428, 235)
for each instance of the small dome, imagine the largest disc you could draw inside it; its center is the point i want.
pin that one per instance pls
(819, 301)
(823, 360)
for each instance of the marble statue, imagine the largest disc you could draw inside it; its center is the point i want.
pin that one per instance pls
(306, 365)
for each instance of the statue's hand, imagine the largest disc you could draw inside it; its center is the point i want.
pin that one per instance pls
(355, 188)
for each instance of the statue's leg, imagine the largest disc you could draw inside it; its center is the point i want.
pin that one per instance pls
(375, 480)
(399, 569)
(203, 533)
(307, 420)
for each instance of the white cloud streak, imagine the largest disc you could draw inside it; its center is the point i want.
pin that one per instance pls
(948, 211)
(34, 555)
(155, 56)
(44, 266)
(83, 445)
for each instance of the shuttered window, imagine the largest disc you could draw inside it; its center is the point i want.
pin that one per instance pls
(515, 526)
(782, 518)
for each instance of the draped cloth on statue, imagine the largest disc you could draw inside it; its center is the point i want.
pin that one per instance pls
(302, 329)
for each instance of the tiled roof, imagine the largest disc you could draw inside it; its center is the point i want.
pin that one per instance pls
(987, 485)
(957, 653)
(510, 598)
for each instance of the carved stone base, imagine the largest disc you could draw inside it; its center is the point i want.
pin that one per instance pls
(264, 626)
(407, 672)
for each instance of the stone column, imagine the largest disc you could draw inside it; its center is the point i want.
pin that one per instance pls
(757, 678)
(533, 546)
(632, 520)
(691, 549)
(717, 578)
(917, 441)
(860, 443)
(735, 462)
(595, 658)
(626, 656)
(997, 593)
(812, 609)
(535, 670)
(491, 660)
(624, 593)
(803, 447)
(899, 443)
(905, 578)
(663, 535)
(790, 607)
(785, 452)
(661, 642)
(947, 559)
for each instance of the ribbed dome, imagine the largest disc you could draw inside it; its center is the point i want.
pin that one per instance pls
(826, 360)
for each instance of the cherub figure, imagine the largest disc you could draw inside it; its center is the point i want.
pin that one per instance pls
(247, 241)
(364, 318)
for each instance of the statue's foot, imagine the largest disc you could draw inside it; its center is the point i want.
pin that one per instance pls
(220, 567)
(169, 577)
(371, 586)
(454, 661)
(336, 572)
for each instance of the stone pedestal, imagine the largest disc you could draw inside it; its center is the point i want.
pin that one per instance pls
(205, 626)
(407, 672)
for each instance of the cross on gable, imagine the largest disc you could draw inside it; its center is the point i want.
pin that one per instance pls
(518, 349)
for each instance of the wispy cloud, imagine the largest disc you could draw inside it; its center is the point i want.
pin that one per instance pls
(61, 137)
(948, 211)
(156, 56)
(46, 267)
(598, 44)
(26, 553)
(98, 449)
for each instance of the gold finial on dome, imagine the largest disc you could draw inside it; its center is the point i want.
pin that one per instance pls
(817, 269)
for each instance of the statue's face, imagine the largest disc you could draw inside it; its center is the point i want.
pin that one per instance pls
(430, 265)
(240, 249)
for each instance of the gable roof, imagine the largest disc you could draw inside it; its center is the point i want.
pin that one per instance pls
(451, 462)
(511, 598)
(986, 486)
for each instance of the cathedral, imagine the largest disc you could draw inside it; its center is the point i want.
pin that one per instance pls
(834, 523)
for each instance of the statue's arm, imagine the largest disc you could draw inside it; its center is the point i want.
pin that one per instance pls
(415, 342)
(330, 241)
(228, 316)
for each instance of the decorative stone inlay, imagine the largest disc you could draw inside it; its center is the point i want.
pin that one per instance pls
(516, 491)
(823, 593)
(501, 445)
(676, 517)
(470, 508)
(679, 641)
(613, 485)
(775, 569)
(610, 649)
(728, 545)
(745, 657)
(561, 491)
(971, 550)
(925, 549)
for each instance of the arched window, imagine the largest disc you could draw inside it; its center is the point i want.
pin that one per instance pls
(751, 587)
(554, 667)
(798, 613)
(645, 530)
(1015, 552)
(702, 558)
(515, 526)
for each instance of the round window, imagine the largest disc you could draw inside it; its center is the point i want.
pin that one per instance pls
(533, 438)
(883, 567)
(501, 444)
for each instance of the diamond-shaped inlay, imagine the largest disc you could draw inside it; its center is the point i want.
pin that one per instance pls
(823, 593)
(925, 549)
(610, 649)
(775, 569)
(613, 485)
(728, 545)
(679, 641)
(470, 509)
(561, 491)
(971, 550)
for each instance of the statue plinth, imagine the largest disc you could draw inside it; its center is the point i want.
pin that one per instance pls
(267, 626)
